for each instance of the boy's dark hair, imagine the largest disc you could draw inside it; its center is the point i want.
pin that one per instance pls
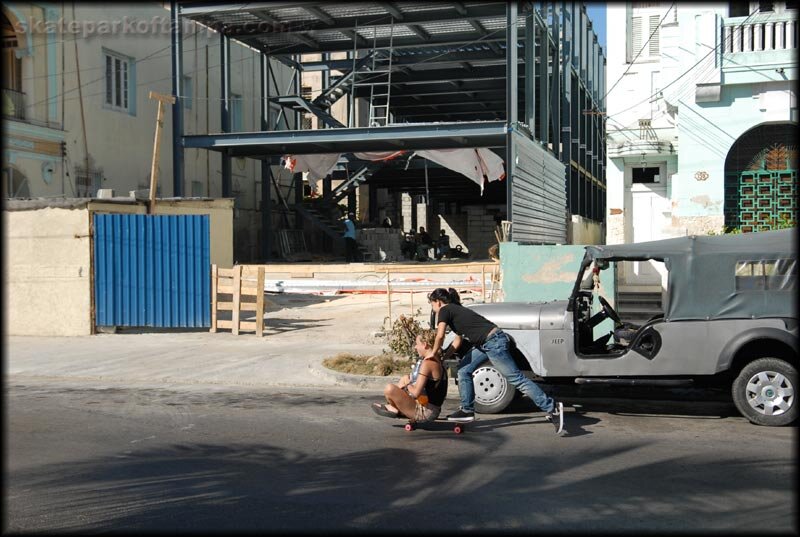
(448, 296)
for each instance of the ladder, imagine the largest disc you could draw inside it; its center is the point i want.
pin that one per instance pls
(378, 78)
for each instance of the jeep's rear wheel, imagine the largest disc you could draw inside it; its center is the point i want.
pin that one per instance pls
(764, 392)
(493, 393)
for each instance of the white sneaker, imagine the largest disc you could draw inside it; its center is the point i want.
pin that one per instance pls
(556, 417)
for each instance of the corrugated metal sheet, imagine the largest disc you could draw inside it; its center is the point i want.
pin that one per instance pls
(152, 270)
(539, 200)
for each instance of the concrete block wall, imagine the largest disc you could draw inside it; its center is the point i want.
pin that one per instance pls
(480, 229)
(382, 243)
(387, 206)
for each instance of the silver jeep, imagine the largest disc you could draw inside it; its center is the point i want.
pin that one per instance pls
(729, 317)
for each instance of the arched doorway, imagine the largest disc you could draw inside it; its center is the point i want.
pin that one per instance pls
(761, 178)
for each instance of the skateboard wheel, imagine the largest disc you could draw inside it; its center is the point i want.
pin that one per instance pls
(457, 429)
(409, 427)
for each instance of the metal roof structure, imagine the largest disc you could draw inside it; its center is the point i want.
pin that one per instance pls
(450, 64)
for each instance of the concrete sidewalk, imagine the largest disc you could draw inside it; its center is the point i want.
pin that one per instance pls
(300, 333)
(186, 358)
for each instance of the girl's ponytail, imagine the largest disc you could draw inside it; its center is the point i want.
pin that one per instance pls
(453, 295)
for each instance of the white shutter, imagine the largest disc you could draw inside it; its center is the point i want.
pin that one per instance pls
(654, 30)
(636, 36)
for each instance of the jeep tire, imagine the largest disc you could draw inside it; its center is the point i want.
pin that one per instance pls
(764, 392)
(493, 392)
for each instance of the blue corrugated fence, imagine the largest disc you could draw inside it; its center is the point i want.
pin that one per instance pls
(152, 270)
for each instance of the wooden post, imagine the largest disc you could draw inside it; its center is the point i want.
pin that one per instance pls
(157, 146)
(389, 297)
(213, 298)
(483, 283)
(260, 303)
(237, 298)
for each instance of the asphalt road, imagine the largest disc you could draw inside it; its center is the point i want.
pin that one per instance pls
(200, 459)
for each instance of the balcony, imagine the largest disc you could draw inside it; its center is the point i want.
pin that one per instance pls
(763, 32)
(13, 104)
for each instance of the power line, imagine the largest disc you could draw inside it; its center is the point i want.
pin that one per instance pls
(633, 61)
(690, 69)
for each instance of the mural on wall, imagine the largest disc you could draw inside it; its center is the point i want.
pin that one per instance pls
(761, 179)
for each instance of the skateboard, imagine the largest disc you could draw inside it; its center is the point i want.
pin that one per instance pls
(458, 426)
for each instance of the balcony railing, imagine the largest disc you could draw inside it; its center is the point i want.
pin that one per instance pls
(13, 104)
(763, 32)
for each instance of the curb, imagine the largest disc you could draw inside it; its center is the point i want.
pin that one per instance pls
(370, 382)
(366, 382)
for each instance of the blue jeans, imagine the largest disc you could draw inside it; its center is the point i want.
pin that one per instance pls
(495, 349)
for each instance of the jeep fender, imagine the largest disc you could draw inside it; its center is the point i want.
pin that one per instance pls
(728, 353)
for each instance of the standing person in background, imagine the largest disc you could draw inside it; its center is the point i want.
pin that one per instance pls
(488, 342)
(350, 238)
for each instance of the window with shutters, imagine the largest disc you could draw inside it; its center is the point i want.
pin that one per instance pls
(117, 81)
(644, 31)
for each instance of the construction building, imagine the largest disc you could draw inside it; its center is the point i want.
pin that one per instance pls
(455, 116)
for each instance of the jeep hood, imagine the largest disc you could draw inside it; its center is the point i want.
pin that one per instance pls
(524, 315)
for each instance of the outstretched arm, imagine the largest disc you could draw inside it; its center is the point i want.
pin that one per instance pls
(437, 343)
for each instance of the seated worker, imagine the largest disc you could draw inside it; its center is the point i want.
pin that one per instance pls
(420, 401)
(442, 245)
(409, 245)
(424, 244)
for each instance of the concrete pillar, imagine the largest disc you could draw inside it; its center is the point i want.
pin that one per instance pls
(758, 36)
(769, 29)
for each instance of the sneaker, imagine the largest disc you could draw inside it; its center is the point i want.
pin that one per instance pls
(556, 417)
(461, 415)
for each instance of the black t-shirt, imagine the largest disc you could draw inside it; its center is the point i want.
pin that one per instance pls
(465, 322)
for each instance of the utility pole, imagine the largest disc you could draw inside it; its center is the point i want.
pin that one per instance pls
(157, 146)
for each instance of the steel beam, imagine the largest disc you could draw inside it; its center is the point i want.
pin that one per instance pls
(406, 137)
(511, 102)
(177, 107)
(530, 71)
(225, 108)
(266, 168)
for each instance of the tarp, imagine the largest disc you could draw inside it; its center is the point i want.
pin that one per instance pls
(748, 275)
(478, 164)
(475, 163)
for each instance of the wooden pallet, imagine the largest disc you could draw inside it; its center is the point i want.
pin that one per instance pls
(232, 282)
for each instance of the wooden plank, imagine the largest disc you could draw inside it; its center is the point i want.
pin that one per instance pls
(214, 271)
(260, 304)
(225, 272)
(222, 323)
(225, 306)
(483, 284)
(236, 299)
(248, 325)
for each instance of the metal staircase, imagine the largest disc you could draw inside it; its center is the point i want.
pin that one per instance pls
(342, 85)
(317, 214)
(298, 103)
(357, 179)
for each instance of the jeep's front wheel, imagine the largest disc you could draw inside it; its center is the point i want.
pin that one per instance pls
(764, 392)
(493, 393)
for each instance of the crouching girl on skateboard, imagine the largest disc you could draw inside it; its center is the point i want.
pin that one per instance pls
(420, 400)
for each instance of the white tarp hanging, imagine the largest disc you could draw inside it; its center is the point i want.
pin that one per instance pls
(318, 166)
(475, 163)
